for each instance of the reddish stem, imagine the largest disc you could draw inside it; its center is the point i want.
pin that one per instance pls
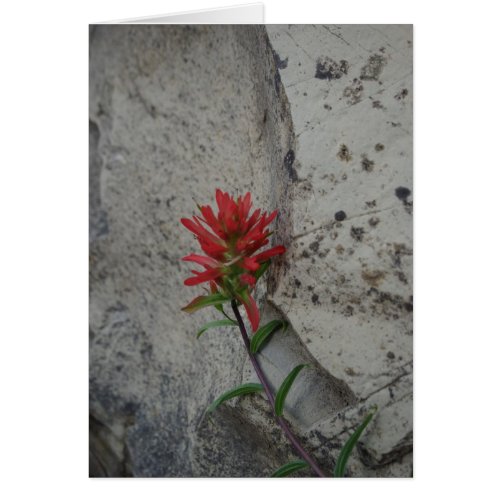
(270, 397)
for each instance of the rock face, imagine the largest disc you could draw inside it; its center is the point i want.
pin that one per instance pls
(313, 120)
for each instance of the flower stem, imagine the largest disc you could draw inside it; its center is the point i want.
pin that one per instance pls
(270, 397)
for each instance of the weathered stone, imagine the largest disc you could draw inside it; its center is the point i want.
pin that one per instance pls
(176, 111)
(354, 308)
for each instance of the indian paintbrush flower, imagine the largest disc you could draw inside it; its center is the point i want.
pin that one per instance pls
(231, 266)
(230, 241)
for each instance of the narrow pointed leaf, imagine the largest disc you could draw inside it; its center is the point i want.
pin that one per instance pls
(285, 388)
(290, 468)
(237, 391)
(205, 301)
(213, 289)
(262, 269)
(263, 333)
(346, 451)
(215, 324)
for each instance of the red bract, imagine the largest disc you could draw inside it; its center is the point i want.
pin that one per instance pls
(230, 240)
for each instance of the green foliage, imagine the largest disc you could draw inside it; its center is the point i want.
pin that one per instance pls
(237, 391)
(282, 393)
(263, 333)
(290, 468)
(215, 324)
(262, 269)
(204, 301)
(346, 451)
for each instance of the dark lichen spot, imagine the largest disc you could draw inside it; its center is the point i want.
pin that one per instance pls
(315, 298)
(327, 106)
(399, 250)
(379, 147)
(280, 63)
(340, 215)
(389, 305)
(334, 300)
(402, 193)
(354, 93)
(401, 277)
(367, 164)
(357, 233)
(339, 249)
(371, 204)
(373, 68)
(390, 355)
(314, 246)
(288, 162)
(377, 105)
(344, 154)
(289, 158)
(348, 311)
(277, 81)
(373, 278)
(401, 94)
(374, 221)
(305, 254)
(328, 69)
(297, 283)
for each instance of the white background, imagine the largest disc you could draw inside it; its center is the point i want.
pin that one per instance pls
(44, 249)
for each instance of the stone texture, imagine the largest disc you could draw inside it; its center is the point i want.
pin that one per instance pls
(315, 120)
(350, 94)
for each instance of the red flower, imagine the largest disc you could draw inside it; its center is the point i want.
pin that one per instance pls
(229, 240)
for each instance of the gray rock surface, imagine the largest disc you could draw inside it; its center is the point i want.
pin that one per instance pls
(313, 120)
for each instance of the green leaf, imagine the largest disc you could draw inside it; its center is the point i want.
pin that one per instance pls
(237, 391)
(282, 393)
(262, 269)
(263, 332)
(346, 451)
(205, 301)
(215, 324)
(290, 468)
